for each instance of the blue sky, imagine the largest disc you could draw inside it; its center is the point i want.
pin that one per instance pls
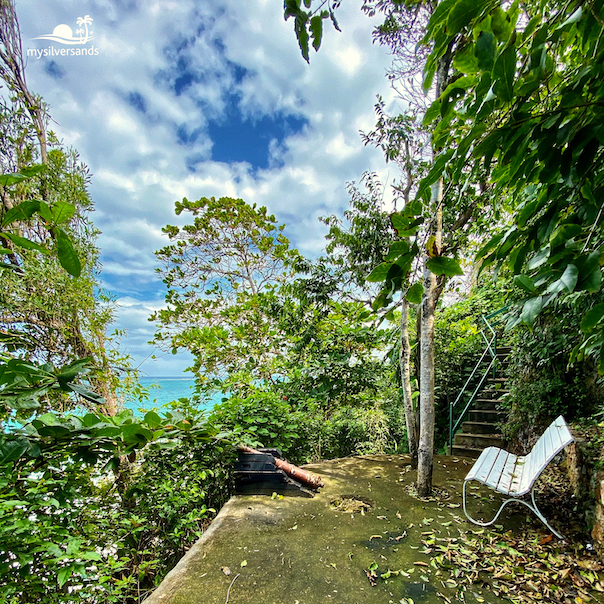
(188, 99)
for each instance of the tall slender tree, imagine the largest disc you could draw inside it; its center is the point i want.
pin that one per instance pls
(46, 314)
(402, 30)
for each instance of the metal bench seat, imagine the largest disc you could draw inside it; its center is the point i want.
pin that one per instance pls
(516, 476)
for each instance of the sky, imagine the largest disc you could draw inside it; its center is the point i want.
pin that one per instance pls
(170, 99)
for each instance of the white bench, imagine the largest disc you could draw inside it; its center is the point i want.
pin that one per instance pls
(516, 476)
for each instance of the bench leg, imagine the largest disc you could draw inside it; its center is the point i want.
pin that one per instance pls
(533, 507)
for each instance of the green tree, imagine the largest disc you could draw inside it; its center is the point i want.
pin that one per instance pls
(50, 306)
(420, 223)
(524, 113)
(222, 272)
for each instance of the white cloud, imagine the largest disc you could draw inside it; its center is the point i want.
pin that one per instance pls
(140, 166)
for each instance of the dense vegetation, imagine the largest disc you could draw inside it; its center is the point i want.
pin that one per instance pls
(322, 357)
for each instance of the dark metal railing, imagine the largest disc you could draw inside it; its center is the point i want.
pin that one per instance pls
(490, 337)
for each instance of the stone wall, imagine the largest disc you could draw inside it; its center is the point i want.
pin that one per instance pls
(586, 473)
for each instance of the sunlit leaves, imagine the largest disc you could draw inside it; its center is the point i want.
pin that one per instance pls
(530, 126)
(222, 271)
(414, 293)
(66, 253)
(441, 265)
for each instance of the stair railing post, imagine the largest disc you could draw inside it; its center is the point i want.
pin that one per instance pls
(495, 351)
(451, 428)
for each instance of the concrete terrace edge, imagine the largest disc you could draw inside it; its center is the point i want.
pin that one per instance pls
(171, 582)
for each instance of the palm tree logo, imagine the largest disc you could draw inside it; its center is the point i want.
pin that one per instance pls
(85, 21)
(64, 35)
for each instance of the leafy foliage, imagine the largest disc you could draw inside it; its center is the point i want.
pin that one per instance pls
(542, 383)
(70, 532)
(308, 25)
(221, 272)
(524, 110)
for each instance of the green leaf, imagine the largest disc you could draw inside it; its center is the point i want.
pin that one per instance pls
(24, 211)
(397, 248)
(465, 61)
(69, 372)
(485, 50)
(592, 318)
(301, 20)
(316, 31)
(441, 265)
(573, 18)
(6, 180)
(88, 394)
(415, 293)
(379, 272)
(11, 450)
(25, 243)
(62, 211)
(525, 283)
(567, 281)
(590, 272)
(435, 172)
(67, 255)
(382, 300)
(153, 420)
(432, 113)
(531, 309)
(461, 15)
(64, 574)
(54, 431)
(504, 72)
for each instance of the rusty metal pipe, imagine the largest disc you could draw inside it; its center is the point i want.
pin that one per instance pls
(314, 481)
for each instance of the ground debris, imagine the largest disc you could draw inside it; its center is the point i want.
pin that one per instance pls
(523, 568)
(351, 504)
(438, 494)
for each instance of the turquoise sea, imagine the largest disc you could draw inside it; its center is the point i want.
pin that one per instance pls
(163, 390)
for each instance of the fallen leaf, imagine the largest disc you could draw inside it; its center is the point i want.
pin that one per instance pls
(590, 564)
(371, 578)
(546, 539)
(243, 563)
(421, 564)
(375, 537)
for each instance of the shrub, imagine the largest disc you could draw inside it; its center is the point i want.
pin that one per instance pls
(542, 384)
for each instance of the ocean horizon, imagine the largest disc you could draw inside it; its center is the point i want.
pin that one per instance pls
(162, 390)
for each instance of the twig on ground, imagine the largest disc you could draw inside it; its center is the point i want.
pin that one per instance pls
(229, 590)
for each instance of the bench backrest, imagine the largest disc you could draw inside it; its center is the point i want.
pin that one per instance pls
(552, 441)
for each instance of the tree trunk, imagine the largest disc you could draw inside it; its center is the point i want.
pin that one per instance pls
(405, 368)
(426, 396)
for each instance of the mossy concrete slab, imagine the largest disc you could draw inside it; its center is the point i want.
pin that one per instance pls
(298, 550)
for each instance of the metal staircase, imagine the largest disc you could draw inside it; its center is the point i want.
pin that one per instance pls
(475, 415)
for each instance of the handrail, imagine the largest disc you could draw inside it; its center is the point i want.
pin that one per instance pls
(491, 348)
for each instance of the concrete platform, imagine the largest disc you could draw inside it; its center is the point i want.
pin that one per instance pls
(298, 550)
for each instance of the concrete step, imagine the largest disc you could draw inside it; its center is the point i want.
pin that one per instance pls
(495, 393)
(477, 441)
(490, 404)
(479, 428)
(496, 381)
(466, 452)
(486, 415)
